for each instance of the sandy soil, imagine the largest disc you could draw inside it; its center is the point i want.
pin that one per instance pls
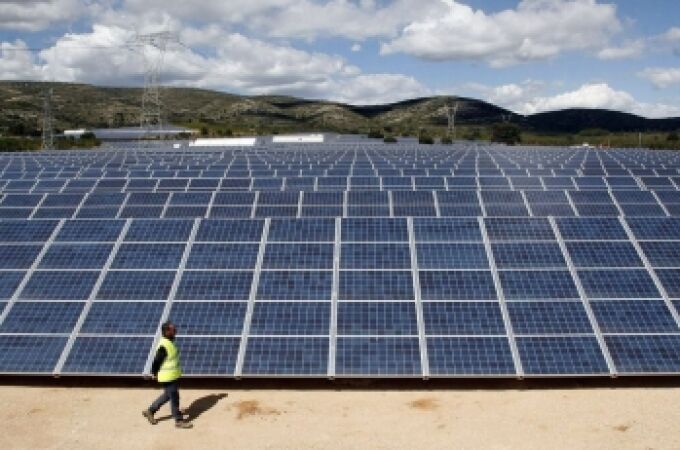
(110, 418)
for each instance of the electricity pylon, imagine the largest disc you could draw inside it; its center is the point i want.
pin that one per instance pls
(153, 48)
(451, 111)
(47, 127)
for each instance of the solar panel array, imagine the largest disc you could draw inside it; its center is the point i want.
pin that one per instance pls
(342, 260)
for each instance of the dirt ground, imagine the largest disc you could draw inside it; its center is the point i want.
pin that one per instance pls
(365, 418)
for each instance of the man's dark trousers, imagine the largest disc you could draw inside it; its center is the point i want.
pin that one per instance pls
(170, 393)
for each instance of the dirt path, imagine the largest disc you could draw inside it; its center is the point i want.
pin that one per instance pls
(110, 418)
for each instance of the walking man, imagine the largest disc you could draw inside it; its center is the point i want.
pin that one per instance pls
(166, 369)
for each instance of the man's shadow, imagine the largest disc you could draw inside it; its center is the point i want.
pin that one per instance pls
(199, 406)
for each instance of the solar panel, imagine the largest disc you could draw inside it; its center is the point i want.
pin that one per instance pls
(342, 260)
(574, 355)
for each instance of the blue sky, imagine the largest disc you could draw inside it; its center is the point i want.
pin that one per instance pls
(526, 55)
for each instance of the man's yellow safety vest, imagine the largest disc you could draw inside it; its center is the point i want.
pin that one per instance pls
(170, 369)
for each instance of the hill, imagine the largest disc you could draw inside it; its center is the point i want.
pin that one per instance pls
(80, 105)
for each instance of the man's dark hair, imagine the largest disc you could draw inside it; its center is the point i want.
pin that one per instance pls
(166, 327)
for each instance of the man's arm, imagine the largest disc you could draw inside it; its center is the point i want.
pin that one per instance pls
(161, 354)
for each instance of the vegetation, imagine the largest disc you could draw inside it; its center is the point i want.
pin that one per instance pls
(446, 140)
(506, 133)
(390, 140)
(374, 134)
(425, 139)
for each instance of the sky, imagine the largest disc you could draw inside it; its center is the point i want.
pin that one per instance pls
(526, 55)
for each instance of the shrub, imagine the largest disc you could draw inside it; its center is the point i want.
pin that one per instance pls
(673, 137)
(424, 139)
(373, 134)
(447, 140)
(390, 140)
(506, 133)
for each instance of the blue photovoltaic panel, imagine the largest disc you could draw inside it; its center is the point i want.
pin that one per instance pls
(393, 285)
(104, 355)
(208, 355)
(577, 355)
(457, 285)
(600, 228)
(76, 256)
(129, 285)
(634, 316)
(510, 229)
(452, 256)
(538, 285)
(378, 356)
(59, 285)
(299, 285)
(208, 318)
(30, 354)
(286, 356)
(9, 281)
(603, 254)
(528, 255)
(42, 317)
(298, 256)
(662, 254)
(463, 318)
(614, 284)
(148, 256)
(18, 256)
(223, 256)
(290, 318)
(230, 231)
(159, 230)
(552, 317)
(302, 230)
(375, 256)
(123, 318)
(655, 228)
(374, 230)
(377, 318)
(26, 230)
(90, 231)
(670, 279)
(214, 285)
(645, 353)
(446, 229)
(469, 356)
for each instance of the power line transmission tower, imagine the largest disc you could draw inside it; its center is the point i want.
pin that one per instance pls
(451, 111)
(153, 48)
(47, 126)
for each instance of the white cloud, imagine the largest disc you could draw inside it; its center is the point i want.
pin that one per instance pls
(295, 18)
(17, 63)
(662, 77)
(537, 29)
(35, 15)
(530, 98)
(235, 63)
(672, 35)
(356, 47)
(629, 49)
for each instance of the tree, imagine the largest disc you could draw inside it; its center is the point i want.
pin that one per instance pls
(506, 133)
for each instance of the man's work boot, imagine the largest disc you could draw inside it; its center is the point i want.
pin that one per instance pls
(149, 416)
(183, 424)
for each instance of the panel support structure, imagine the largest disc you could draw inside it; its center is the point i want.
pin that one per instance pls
(335, 293)
(422, 339)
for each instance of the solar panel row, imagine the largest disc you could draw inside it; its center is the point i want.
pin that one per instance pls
(355, 267)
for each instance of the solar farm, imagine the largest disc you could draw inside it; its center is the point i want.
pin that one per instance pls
(342, 260)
